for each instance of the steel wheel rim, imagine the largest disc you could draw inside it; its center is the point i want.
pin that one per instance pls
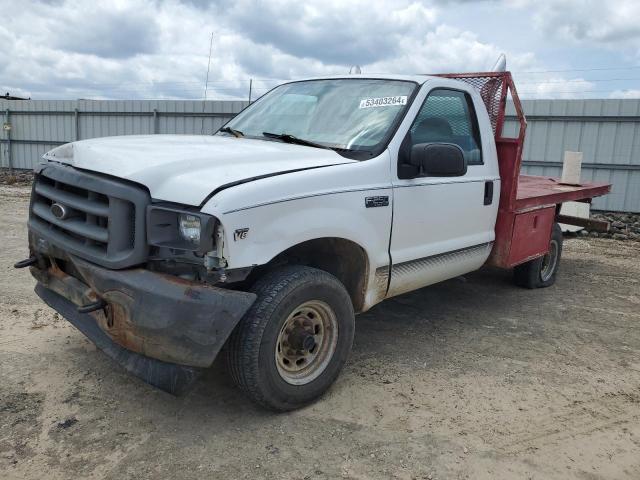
(313, 321)
(549, 261)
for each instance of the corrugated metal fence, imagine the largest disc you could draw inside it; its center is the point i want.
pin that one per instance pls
(606, 131)
(39, 125)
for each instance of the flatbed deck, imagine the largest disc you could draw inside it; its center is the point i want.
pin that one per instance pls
(534, 191)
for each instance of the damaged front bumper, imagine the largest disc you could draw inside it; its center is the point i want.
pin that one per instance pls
(161, 328)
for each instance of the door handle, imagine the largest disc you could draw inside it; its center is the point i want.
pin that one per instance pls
(488, 192)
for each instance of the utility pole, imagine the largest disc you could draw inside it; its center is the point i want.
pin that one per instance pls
(250, 86)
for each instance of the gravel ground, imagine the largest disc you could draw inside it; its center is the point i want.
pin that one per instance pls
(623, 226)
(473, 378)
(17, 177)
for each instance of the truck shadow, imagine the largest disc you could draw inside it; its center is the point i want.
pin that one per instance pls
(429, 327)
(477, 326)
(482, 312)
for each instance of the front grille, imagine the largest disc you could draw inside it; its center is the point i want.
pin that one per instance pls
(98, 218)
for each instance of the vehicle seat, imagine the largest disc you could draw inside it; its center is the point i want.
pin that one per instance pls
(438, 129)
(432, 129)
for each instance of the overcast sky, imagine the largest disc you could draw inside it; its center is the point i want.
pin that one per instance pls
(159, 48)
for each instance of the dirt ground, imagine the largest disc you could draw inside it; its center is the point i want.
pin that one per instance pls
(474, 378)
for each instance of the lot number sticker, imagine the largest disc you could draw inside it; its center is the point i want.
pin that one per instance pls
(383, 101)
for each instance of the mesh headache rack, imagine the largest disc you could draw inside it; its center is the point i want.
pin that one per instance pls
(494, 88)
(529, 205)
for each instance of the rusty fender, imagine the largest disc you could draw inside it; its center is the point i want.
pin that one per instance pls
(159, 327)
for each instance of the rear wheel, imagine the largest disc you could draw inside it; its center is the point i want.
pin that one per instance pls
(541, 272)
(292, 343)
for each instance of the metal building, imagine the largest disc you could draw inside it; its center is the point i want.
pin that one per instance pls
(606, 131)
(37, 126)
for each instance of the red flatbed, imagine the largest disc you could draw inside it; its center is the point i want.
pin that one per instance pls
(533, 191)
(529, 205)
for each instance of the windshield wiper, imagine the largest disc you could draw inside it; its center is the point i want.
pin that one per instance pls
(288, 138)
(232, 131)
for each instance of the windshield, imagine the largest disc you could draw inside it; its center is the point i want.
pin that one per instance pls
(352, 114)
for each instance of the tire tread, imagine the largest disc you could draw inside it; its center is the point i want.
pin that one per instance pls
(527, 275)
(243, 345)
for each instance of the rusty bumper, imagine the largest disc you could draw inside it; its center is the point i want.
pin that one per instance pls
(158, 327)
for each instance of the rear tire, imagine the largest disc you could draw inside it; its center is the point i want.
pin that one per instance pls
(292, 343)
(541, 272)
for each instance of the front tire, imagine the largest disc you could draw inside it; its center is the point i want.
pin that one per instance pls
(292, 343)
(541, 272)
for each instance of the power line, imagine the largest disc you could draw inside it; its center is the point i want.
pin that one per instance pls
(577, 92)
(578, 80)
(240, 84)
(580, 70)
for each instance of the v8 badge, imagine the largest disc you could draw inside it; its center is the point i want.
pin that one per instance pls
(240, 234)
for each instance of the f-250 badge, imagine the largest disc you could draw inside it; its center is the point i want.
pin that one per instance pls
(381, 201)
(240, 234)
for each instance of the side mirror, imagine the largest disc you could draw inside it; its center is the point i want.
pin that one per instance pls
(438, 159)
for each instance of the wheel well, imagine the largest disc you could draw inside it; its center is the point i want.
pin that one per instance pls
(344, 259)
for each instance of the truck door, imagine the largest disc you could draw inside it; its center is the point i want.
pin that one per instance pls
(444, 226)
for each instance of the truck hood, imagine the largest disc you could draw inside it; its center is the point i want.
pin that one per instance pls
(188, 168)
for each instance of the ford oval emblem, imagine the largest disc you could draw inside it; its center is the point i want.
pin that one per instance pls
(59, 211)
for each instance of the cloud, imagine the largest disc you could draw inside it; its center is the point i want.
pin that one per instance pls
(332, 31)
(96, 28)
(107, 33)
(632, 93)
(159, 48)
(609, 22)
(443, 49)
(555, 87)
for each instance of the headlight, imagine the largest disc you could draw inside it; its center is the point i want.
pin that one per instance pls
(190, 227)
(180, 229)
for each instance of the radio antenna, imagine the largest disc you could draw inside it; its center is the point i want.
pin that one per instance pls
(206, 83)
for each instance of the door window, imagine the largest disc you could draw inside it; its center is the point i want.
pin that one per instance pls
(447, 116)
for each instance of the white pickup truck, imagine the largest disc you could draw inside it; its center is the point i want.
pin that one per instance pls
(316, 202)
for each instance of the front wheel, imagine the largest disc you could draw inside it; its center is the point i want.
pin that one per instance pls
(292, 343)
(541, 272)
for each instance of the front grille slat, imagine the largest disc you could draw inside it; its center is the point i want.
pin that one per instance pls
(76, 226)
(77, 202)
(71, 244)
(103, 219)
